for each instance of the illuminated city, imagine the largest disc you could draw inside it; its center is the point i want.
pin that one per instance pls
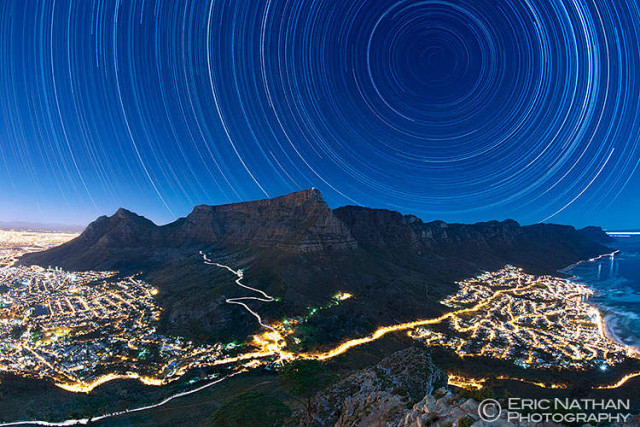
(539, 322)
(82, 329)
(16, 243)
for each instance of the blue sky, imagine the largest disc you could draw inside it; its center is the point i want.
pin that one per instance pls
(462, 111)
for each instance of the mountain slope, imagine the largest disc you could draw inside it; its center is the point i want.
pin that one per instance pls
(298, 249)
(298, 222)
(540, 248)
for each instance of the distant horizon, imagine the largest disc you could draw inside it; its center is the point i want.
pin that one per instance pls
(4, 224)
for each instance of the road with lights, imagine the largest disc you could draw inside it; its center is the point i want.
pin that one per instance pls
(239, 301)
(83, 329)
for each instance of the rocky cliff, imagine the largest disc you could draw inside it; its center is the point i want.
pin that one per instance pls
(540, 247)
(297, 223)
(379, 394)
(298, 249)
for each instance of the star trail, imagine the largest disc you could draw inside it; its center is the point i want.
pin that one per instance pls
(455, 110)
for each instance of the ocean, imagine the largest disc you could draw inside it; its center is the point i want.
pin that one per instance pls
(616, 281)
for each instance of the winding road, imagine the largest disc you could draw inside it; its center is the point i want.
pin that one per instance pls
(340, 349)
(239, 301)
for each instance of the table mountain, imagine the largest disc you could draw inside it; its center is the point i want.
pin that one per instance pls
(295, 247)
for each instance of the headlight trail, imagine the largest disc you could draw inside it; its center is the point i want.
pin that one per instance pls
(239, 301)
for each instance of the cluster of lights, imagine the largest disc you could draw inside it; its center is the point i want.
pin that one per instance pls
(82, 329)
(466, 382)
(540, 322)
(535, 321)
(469, 383)
(13, 244)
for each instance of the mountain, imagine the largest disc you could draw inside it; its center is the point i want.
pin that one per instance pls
(596, 234)
(296, 248)
(540, 248)
(297, 222)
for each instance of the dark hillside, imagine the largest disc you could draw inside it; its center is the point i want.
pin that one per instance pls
(299, 250)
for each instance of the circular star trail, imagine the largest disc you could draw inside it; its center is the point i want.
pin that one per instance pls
(458, 110)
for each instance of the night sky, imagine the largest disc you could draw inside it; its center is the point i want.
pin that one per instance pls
(455, 110)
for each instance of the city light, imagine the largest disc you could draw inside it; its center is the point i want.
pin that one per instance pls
(83, 329)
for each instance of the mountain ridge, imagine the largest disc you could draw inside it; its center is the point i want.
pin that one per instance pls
(296, 248)
(299, 222)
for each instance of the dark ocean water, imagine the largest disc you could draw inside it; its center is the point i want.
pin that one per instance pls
(616, 280)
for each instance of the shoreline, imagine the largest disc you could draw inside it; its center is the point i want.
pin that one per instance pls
(575, 264)
(611, 320)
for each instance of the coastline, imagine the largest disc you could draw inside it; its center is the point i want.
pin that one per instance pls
(583, 261)
(612, 320)
(611, 324)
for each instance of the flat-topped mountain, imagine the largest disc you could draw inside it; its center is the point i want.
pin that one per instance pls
(296, 248)
(297, 222)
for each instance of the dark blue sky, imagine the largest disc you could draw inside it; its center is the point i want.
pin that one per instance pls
(460, 110)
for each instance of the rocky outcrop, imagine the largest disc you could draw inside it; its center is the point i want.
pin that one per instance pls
(404, 390)
(379, 394)
(300, 222)
(445, 408)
